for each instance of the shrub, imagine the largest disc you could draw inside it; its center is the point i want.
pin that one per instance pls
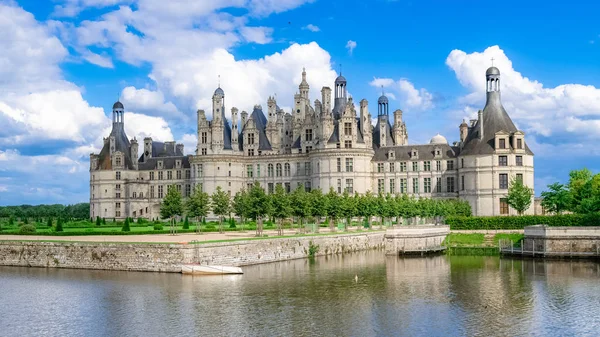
(98, 223)
(158, 226)
(103, 221)
(59, 225)
(49, 224)
(126, 227)
(27, 229)
(11, 220)
(231, 225)
(520, 222)
(186, 223)
(208, 227)
(141, 221)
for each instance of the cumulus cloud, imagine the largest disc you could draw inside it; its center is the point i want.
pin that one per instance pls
(189, 141)
(148, 102)
(259, 35)
(312, 28)
(410, 97)
(350, 45)
(99, 60)
(568, 113)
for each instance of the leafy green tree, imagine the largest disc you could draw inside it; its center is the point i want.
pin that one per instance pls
(519, 195)
(241, 206)
(171, 206)
(186, 223)
(11, 220)
(103, 221)
(347, 205)
(98, 221)
(301, 205)
(126, 227)
(49, 223)
(281, 207)
(259, 206)
(318, 205)
(59, 225)
(198, 206)
(557, 199)
(221, 205)
(333, 207)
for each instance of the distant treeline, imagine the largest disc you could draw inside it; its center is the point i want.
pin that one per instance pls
(76, 211)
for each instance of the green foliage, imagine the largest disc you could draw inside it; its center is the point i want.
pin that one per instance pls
(98, 221)
(27, 229)
(172, 204)
(312, 249)
(281, 206)
(198, 204)
(186, 223)
(11, 220)
(460, 239)
(512, 222)
(49, 223)
(519, 196)
(126, 227)
(221, 205)
(158, 227)
(581, 195)
(103, 221)
(557, 199)
(208, 227)
(59, 225)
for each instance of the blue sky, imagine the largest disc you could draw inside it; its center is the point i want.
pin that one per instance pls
(65, 62)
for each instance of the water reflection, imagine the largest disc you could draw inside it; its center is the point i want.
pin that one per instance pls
(392, 296)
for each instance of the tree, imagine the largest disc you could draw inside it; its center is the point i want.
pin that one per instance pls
(259, 205)
(301, 205)
(126, 227)
(198, 206)
(557, 199)
(186, 223)
(333, 207)
(59, 225)
(347, 208)
(519, 195)
(98, 222)
(281, 207)
(49, 224)
(318, 205)
(221, 205)
(240, 206)
(171, 206)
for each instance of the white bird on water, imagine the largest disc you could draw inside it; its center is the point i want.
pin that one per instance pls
(356, 278)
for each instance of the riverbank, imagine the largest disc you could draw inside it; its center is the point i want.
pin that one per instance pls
(168, 257)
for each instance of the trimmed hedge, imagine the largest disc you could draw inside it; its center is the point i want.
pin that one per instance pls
(520, 222)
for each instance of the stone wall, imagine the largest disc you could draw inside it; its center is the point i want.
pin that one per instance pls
(170, 257)
(413, 239)
(562, 241)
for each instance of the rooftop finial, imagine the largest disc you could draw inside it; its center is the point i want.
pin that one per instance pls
(340, 68)
(492, 61)
(382, 92)
(219, 81)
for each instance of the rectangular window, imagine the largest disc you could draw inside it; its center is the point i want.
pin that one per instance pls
(392, 167)
(438, 165)
(449, 165)
(427, 185)
(349, 165)
(450, 184)
(415, 165)
(519, 143)
(380, 186)
(118, 161)
(339, 164)
(188, 174)
(258, 170)
(178, 187)
(118, 195)
(151, 191)
(151, 175)
(160, 191)
(249, 171)
(502, 160)
(503, 206)
(348, 129)
(438, 185)
(503, 181)
(307, 168)
(393, 186)
(204, 151)
(519, 160)
(339, 186)
(380, 167)
(427, 166)
(347, 144)
(204, 137)
(169, 175)
(179, 174)
(403, 166)
(250, 138)
(519, 177)
(307, 186)
(350, 186)
(415, 184)
(288, 187)
(200, 170)
(502, 143)
(188, 190)
(134, 195)
(250, 152)
(118, 175)
(403, 188)
(462, 183)
(117, 186)
(298, 169)
(308, 136)
(270, 188)
(308, 149)
(160, 175)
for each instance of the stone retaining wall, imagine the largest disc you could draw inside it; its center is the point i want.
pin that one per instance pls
(170, 257)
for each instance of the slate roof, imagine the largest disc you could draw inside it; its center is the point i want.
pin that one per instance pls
(389, 135)
(425, 152)
(121, 144)
(168, 163)
(335, 135)
(261, 125)
(495, 119)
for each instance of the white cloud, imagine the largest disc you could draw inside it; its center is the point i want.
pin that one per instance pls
(141, 126)
(260, 35)
(189, 142)
(148, 102)
(350, 45)
(569, 113)
(71, 8)
(103, 61)
(409, 96)
(312, 28)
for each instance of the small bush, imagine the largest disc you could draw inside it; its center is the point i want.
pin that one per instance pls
(126, 227)
(98, 222)
(27, 229)
(186, 223)
(158, 226)
(520, 222)
(141, 221)
(208, 227)
(59, 225)
(231, 225)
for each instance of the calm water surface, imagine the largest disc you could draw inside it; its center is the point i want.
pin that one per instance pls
(437, 296)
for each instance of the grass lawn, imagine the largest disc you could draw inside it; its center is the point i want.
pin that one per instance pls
(465, 240)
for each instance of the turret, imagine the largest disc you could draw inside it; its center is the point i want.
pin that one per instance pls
(400, 134)
(272, 109)
(365, 123)
(304, 87)
(244, 119)
(147, 148)
(179, 149)
(234, 127)
(218, 101)
(326, 99)
(134, 153)
(480, 118)
(464, 131)
(340, 96)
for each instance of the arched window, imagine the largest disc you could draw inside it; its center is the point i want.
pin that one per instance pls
(270, 170)
(286, 171)
(278, 170)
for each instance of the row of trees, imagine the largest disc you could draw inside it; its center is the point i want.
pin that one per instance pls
(76, 211)
(580, 195)
(257, 205)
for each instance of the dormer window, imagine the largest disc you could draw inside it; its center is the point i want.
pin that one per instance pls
(160, 164)
(502, 143)
(391, 154)
(118, 160)
(178, 163)
(519, 143)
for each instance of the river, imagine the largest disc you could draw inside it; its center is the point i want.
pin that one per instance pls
(362, 294)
